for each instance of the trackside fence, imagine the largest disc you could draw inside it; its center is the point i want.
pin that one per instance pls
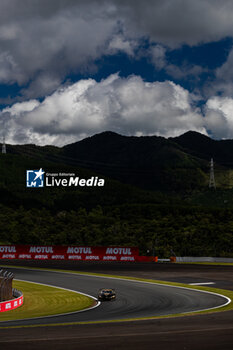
(203, 259)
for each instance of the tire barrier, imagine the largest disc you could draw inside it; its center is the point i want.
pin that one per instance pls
(10, 298)
(6, 285)
(14, 303)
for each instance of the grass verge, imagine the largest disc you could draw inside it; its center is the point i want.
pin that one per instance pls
(41, 300)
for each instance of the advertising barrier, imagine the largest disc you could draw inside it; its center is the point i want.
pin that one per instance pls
(82, 253)
(141, 258)
(11, 304)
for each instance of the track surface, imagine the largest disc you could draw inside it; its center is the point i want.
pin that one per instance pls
(134, 299)
(212, 331)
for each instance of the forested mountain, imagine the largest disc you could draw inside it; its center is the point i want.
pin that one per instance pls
(204, 147)
(156, 193)
(150, 162)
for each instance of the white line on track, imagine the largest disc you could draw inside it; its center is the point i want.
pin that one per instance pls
(55, 315)
(201, 283)
(167, 285)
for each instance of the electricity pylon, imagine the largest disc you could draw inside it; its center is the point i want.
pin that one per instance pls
(3, 146)
(212, 180)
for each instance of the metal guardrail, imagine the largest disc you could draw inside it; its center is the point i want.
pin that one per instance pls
(6, 279)
(203, 259)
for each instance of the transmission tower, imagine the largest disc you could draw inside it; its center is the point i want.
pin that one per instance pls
(3, 146)
(212, 180)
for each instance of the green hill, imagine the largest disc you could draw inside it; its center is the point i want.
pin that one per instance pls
(156, 195)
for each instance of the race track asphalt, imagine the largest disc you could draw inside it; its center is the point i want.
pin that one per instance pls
(210, 331)
(134, 299)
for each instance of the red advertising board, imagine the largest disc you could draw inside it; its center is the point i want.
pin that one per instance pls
(11, 304)
(86, 253)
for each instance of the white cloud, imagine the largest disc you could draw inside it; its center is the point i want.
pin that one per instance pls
(222, 83)
(119, 43)
(55, 38)
(185, 71)
(225, 72)
(175, 22)
(158, 56)
(126, 105)
(22, 107)
(219, 117)
(9, 69)
(50, 42)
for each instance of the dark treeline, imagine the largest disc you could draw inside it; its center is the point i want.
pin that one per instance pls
(182, 216)
(186, 231)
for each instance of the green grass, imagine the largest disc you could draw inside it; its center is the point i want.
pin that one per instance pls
(41, 300)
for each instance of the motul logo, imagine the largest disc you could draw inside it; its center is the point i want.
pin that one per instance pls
(109, 257)
(118, 251)
(7, 249)
(79, 250)
(41, 250)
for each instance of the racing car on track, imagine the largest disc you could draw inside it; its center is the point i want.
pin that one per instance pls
(106, 294)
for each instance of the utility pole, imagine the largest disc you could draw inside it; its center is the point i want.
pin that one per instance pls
(3, 145)
(212, 180)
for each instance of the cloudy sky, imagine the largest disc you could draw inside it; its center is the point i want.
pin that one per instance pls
(73, 68)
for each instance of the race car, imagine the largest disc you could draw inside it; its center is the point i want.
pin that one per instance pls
(106, 294)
